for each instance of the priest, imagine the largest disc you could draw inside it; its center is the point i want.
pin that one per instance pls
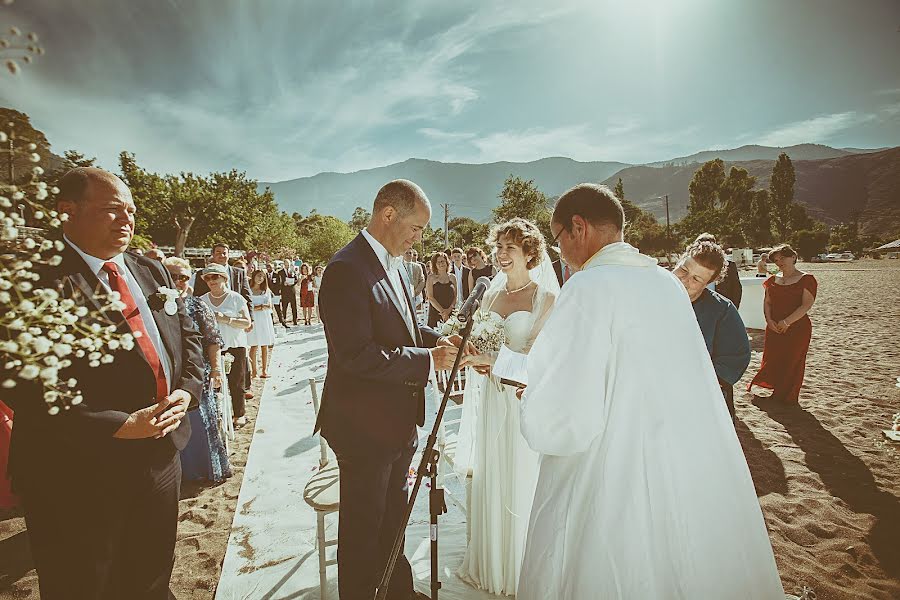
(643, 489)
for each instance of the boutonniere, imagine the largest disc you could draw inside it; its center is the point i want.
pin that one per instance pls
(164, 298)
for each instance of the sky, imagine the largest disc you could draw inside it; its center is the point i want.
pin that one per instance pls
(289, 88)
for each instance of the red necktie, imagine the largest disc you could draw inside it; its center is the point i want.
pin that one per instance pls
(566, 274)
(133, 317)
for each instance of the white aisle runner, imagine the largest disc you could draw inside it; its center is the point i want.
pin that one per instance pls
(272, 548)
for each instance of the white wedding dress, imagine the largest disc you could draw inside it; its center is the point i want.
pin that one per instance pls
(504, 474)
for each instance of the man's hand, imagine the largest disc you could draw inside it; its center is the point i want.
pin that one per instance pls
(456, 340)
(444, 357)
(519, 393)
(156, 420)
(478, 360)
(169, 420)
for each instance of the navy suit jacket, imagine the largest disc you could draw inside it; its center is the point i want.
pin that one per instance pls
(374, 393)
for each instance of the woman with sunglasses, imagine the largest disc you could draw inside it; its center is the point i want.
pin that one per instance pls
(204, 457)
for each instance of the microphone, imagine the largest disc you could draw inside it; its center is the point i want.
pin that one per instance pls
(471, 303)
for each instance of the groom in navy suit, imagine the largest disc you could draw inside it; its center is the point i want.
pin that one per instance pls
(379, 361)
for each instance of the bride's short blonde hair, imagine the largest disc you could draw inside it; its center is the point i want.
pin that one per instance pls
(523, 233)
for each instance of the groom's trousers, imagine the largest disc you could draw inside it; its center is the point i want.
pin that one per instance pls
(373, 501)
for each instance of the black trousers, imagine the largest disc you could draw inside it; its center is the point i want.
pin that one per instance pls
(289, 300)
(280, 313)
(237, 380)
(373, 501)
(108, 535)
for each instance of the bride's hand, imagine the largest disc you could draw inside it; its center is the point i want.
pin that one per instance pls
(477, 360)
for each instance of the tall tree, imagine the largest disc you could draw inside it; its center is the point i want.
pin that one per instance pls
(619, 191)
(705, 185)
(360, 219)
(521, 198)
(466, 232)
(781, 195)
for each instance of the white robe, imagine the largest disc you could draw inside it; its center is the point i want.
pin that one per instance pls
(643, 489)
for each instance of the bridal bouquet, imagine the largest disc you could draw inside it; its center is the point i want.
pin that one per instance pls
(488, 333)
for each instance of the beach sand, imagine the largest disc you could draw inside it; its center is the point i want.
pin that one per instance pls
(826, 478)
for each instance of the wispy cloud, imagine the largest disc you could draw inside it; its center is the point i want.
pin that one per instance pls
(816, 129)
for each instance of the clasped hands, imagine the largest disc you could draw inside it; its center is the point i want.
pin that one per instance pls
(448, 348)
(779, 326)
(157, 420)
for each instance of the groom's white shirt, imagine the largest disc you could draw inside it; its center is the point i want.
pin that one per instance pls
(643, 491)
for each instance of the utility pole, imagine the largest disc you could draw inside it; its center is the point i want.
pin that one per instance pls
(11, 137)
(446, 225)
(668, 238)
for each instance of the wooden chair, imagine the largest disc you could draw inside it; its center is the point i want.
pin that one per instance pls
(322, 493)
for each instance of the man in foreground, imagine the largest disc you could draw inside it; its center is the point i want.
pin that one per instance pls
(100, 481)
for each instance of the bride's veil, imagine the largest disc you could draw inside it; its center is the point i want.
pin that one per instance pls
(546, 292)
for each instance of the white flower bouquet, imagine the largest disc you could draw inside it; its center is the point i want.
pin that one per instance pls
(488, 334)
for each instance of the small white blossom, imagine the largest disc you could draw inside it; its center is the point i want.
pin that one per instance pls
(9, 384)
(53, 410)
(29, 372)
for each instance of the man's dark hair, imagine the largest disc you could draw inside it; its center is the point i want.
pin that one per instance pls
(219, 245)
(402, 195)
(594, 203)
(73, 185)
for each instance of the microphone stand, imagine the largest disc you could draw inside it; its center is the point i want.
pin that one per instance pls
(427, 468)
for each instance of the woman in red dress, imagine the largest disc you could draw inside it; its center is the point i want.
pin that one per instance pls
(788, 328)
(307, 296)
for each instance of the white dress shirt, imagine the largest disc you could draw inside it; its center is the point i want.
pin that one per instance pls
(458, 271)
(392, 266)
(96, 266)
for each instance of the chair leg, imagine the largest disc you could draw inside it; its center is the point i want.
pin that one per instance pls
(320, 534)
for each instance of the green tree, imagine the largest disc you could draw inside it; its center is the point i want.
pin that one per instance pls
(360, 219)
(810, 242)
(705, 185)
(322, 236)
(781, 195)
(758, 222)
(520, 198)
(466, 232)
(619, 191)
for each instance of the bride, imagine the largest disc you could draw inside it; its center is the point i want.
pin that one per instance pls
(504, 468)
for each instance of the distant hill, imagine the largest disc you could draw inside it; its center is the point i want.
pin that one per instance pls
(754, 152)
(830, 188)
(471, 189)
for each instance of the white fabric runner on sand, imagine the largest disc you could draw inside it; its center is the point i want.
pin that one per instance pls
(272, 547)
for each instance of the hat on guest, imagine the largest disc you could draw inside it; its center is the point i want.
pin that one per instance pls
(214, 269)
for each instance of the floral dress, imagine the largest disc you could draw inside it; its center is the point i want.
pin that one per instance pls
(205, 456)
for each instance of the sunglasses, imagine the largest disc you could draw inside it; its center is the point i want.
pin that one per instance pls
(181, 277)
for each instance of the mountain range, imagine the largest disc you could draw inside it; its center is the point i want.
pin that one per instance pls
(831, 182)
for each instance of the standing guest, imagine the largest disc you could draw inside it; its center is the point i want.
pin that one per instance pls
(137, 251)
(262, 335)
(416, 276)
(317, 285)
(730, 285)
(374, 394)
(762, 267)
(156, 254)
(240, 263)
(275, 286)
(440, 290)
(722, 327)
(233, 318)
(459, 272)
(204, 457)
(789, 296)
(287, 279)
(478, 267)
(307, 296)
(99, 482)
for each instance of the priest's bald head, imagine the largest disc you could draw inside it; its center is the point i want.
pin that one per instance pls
(586, 218)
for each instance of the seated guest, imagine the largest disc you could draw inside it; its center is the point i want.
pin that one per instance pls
(233, 318)
(99, 482)
(205, 456)
(730, 285)
(478, 266)
(762, 267)
(722, 327)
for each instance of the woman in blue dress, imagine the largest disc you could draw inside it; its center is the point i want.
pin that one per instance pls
(205, 456)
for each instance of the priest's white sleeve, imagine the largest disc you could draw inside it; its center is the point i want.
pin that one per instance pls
(511, 365)
(565, 405)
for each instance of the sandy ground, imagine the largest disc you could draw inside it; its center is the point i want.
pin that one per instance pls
(826, 478)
